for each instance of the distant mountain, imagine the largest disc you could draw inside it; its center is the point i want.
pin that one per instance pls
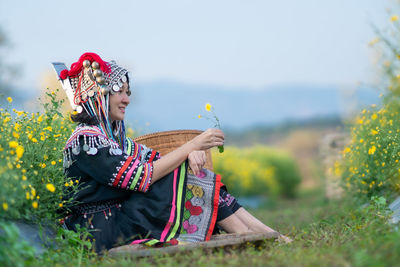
(166, 105)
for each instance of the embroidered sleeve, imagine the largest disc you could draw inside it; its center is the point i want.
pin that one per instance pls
(144, 153)
(103, 160)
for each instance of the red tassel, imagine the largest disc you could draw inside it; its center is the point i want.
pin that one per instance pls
(64, 74)
(76, 67)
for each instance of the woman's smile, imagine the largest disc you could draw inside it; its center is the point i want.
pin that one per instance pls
(118, 103)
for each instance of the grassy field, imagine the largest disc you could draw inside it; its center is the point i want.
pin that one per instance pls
(325, 233)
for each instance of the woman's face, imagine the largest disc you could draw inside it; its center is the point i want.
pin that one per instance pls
(118, 103)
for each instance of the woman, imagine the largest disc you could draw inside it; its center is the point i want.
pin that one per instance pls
(127, 192)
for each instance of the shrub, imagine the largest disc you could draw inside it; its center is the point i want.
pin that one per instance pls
(258, 171)
(370, 165)
(31, 161)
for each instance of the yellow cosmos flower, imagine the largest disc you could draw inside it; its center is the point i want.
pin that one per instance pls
(17, 127)
(372, 150)
(43, 165)
(24, 178)
(19, 113)
(394, 18)
(9, 99)
(50, 187)
(374, 116)
(20, 151)
(40, 118)
(53, 162)
(361, 140)
(374, 132)
(16, 135)
(35, 204)
(208, 107)
(13, 144)
(5, 206)
(199, 116)
(34, 140)
(60, 205)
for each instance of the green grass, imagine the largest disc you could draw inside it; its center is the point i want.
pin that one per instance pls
(325, 233)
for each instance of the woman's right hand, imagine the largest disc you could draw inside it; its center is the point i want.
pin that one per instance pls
(210, 138)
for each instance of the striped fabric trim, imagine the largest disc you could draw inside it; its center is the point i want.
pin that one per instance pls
(172, 214)
(136, 179)
(135, 151)
(174, 221)
(179, 204)
(218, 185)
(121, 171)
(87, 131)
(139, 241)
(153, 154)
(129, 146)
(149, 177)
(129, 174)
(144, 178)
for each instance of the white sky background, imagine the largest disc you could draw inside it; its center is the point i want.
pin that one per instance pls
(232, 43)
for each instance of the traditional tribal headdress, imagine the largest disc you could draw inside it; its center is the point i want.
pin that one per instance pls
(88, 85)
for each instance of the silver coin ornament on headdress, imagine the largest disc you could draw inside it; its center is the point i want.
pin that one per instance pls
(91, 82)
(88, 85)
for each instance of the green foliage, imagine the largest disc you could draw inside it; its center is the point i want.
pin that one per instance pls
(257, 171)
(13, 250)
(33, 182)
(72, 248)
(31, 169)
(370, 164)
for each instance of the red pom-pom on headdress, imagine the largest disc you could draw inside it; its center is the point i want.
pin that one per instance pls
(76, 67)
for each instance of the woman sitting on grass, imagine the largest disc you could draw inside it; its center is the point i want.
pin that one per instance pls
(127, 192)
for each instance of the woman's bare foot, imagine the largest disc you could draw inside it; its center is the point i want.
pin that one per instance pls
(284, 239)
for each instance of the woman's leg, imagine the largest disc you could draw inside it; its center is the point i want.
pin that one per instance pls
(256, 225)
(233, 224)
(252, 222)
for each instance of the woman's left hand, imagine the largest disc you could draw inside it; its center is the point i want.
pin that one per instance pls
(197, 159)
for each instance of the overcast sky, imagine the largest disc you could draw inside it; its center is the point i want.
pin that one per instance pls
(232, 43)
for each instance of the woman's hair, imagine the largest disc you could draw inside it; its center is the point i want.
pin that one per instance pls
(84, 117)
